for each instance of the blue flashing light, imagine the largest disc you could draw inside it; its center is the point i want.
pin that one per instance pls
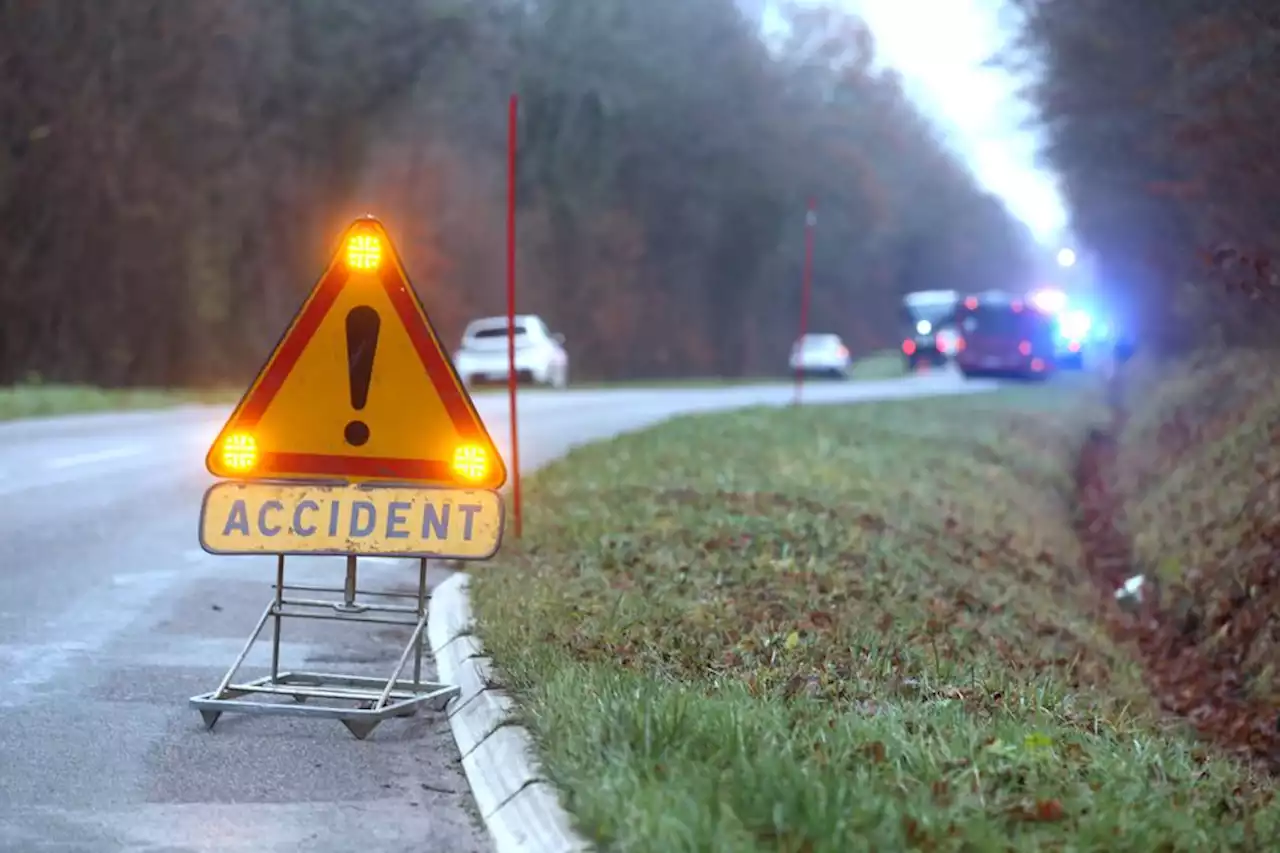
(1074, 325)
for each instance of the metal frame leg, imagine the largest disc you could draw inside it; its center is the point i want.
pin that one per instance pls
(225, 691)
(277, 606)
(375, 698)
(422, 615)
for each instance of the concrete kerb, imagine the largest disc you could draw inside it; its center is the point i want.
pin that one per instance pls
(520, 808)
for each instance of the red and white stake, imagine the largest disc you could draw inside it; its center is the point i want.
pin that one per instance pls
(806, 286)
(513, 112)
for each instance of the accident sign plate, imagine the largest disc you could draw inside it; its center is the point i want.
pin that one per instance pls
(372, 520)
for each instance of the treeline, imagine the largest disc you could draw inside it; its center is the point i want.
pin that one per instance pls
(1163, 117)
(174, 172)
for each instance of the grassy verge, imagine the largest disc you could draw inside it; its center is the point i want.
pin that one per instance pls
(1199, 464)
(25, 401)
(679, 382)
(674, 384)
(881, 365)
(840, 629)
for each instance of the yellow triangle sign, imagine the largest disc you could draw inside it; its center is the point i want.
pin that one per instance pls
(359, 388)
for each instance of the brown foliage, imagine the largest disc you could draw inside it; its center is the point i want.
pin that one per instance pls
(173, 173)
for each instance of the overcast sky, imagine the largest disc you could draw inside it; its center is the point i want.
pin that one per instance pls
(940, 47)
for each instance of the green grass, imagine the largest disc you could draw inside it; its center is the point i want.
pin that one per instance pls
(36, 400)
(708, 382)
(841, 629)
(676, 382)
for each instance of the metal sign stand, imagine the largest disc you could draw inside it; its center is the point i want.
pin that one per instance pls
(369, 700)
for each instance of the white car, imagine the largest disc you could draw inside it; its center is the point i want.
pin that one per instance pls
(821, 354)
(540, 355)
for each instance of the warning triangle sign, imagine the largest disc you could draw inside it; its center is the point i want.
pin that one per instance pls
(359, 388)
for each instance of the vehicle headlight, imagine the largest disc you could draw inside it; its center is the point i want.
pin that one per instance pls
(924, 327)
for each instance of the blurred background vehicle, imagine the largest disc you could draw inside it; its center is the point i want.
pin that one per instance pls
(822, 354)
(1004, 335)
(931, 337)
(540, 355)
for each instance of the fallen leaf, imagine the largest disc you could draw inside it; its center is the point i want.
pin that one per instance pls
(821, 620)
(915, 835)
(1049, 810)
(1041, 811)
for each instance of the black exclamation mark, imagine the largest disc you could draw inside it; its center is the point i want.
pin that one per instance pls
(362, 343)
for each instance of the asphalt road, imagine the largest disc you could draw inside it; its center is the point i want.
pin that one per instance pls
(111, 617)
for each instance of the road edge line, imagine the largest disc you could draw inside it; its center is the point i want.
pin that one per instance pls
(520, 809)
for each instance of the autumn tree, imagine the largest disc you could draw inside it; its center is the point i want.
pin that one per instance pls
(1161, 118)
(674, 123)
(174, 174)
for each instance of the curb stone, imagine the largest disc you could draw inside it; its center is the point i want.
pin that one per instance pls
(519, 807)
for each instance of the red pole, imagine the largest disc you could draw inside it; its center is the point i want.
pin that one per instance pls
(513, 110)
(806, 286)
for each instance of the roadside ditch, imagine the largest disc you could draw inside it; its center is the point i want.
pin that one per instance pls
(1198, 681)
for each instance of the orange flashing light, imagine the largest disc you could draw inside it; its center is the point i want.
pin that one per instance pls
(240, 452)
(364, 252)
(470, 462)
(1025, 347)
(909, 347)
(971, 303)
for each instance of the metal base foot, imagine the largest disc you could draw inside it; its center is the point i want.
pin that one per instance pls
(360, 729)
